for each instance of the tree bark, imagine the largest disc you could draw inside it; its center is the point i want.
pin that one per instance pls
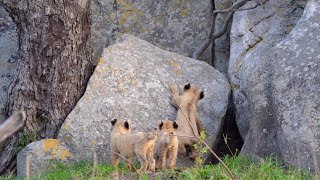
(55, 63)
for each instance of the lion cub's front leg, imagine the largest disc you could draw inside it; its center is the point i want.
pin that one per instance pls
(173, 153)
(151, 160)
(129, 161)
(115, 159)
(163, 157)
(175, 101)
(144, 162)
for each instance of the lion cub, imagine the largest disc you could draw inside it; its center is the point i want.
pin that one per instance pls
(127, 144)
(167, 144)
(188, 104)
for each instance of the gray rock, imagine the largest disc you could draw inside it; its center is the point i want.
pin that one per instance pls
(177, 26)
(40, 155)
(276, 83)
(8, 57)
(252, 36)
(126, 84)
(222, 44)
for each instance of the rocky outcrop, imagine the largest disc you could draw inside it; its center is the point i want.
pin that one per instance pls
(177, 26)
(127, 84)
(274, 72)
(251, 37)
(8, 58)
(38, 156)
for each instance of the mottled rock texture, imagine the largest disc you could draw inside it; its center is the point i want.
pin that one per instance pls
(126, 84)
(40, 155)
(222, 44)
(8, 57)
(274, 72)
(252, 36)
(179, 25)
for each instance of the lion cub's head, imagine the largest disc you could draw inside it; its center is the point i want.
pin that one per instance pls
(192, 93)
(120, 126)
(168, 126)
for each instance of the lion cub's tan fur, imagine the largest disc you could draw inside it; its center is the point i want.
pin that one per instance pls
(128, 144)
(167, 144)
(188, 104)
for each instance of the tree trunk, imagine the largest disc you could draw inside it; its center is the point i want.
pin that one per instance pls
(54, 65)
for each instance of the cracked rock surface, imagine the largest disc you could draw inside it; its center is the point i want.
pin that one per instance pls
(222, 44)
(274, 73)
(177, 26)
(8, 57)
(253, 33)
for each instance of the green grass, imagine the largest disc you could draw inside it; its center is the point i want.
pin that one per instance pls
(242, 168)
(84, 170)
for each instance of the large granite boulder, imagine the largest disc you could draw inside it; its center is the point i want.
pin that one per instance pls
(127, 84)
(276, 82)
(8, 57)
(179, 26)
(252, 36)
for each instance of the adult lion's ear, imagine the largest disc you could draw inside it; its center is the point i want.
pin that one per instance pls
(201, 95)
(160, 125)
(187, 87)
(113, 122)
(126, 125)
(175, 125)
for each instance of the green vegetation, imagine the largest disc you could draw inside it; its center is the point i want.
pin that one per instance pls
(25, 139)
(241, 167)
(201, 149)
(82, 170)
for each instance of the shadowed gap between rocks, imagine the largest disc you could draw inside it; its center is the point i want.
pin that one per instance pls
(230, 130)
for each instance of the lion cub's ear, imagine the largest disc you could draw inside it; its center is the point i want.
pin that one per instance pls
(160, 125)
(201, 95)
(175, 125)
(126, 125)
(113, 122)
(187, 87)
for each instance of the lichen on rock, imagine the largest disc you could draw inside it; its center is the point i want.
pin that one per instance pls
(40, 155)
